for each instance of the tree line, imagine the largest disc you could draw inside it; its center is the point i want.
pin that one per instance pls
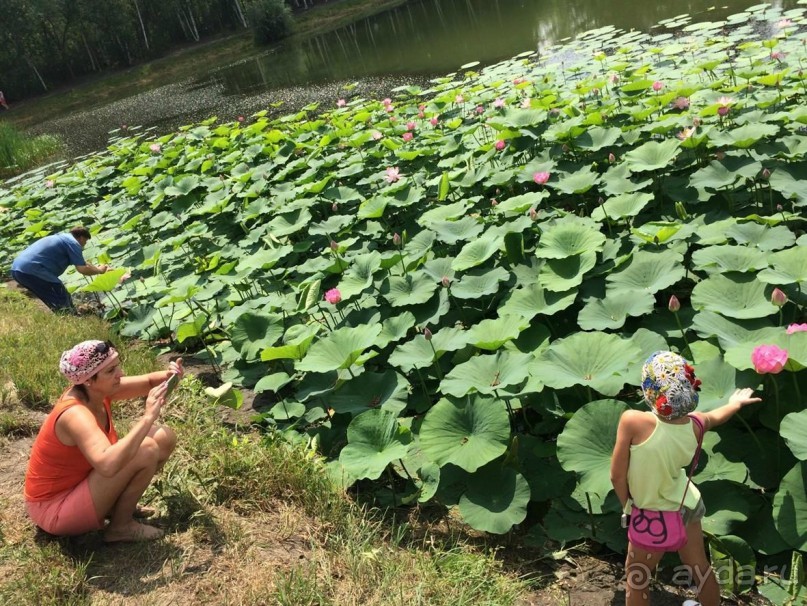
(45, 43)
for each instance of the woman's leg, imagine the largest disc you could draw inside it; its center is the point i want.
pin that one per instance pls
(166, 439)
(118, 495)
(693, 555)
(639, 567)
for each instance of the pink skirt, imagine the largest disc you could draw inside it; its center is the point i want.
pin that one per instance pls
(69, 513)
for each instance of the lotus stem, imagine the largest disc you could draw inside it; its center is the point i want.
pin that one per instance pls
(779, 420)
(591, 516)
(406, 471)
(392, 487)
(422, 383)
(751, 433)
(683, 334)
(796, 386)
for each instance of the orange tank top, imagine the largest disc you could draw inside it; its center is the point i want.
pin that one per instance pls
(55, 467)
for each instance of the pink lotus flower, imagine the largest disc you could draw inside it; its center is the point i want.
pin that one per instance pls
(769, 359)
(723, 110)
(784, 23)
(407, 136)
(613, 78)
(421, 114)
(686, 133)
(411, 125)
(498, 103)
(778, 298)
(240, 118)
(393, 174)
(500, 144)
(434, 121)
(480, 109)
(387, 101)
(674, 305)
(124, 277)
(341, 103)
(333, 296)
(725, 101)
(518, 81)
(777, 55)
(540, 178)
(526, 103)
(389, 107)
(796, 328)
(155, 147)
(376, 135)
(459, 99)
(681, 103)
(658, 85)
(50, 183)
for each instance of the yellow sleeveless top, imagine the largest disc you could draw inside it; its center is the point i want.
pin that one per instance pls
(656, 474)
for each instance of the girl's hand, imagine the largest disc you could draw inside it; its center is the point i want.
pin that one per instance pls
(155, 401)
(743, 397)
(176, 367)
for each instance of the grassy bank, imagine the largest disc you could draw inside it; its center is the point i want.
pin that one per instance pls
(249, 518)
(19, 152)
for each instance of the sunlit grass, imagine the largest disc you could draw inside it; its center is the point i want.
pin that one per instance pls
(19, 152)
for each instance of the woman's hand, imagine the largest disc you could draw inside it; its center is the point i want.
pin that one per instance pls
(155, 401)
(176, 367)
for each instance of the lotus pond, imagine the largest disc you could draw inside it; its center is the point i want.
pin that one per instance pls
(450, 292)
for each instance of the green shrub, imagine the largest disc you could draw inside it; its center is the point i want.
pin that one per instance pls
(271, 21)
(18, 153)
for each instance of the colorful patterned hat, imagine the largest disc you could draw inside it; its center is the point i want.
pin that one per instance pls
(86, 359)
(669, 385)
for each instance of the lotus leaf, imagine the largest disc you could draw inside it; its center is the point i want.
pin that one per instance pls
(532, 300)
(411, 289)
(736, 296)
(763, 237)
(623, 205)
(468, 433)
(570, 236)
(461, 230)
(612, 311)
(591, 359)
(495, 511)
(105, 282)
(790, 507)
(653, 155)
(375, 439)
(476, 252)
(486, 374)
(340, 349)
(786, 267)
(475, 286)
(387, 390)
(419, 353)
(253, 332)
(560, 275)
(730, 504)
(648, 271)
(492, 334)
(719, 259)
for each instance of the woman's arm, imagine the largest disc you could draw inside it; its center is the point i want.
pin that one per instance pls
(77, 426)
(140, 385)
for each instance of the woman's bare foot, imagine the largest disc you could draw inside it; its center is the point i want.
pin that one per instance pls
(132, 532)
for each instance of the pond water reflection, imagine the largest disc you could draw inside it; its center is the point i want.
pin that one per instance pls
(428, 37)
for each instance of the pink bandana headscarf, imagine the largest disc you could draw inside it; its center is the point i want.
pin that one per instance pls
(86, 359)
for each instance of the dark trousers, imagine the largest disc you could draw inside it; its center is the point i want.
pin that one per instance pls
(52, 294)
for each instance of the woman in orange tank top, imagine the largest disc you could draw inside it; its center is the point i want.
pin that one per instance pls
(79, 472)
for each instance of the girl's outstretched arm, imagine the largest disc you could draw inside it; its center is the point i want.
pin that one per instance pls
(718, 416)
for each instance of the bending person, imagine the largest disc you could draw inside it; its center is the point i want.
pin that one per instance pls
(80, 472)
(39, 266)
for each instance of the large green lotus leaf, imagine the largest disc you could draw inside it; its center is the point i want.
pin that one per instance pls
(653, 155)
(265, 258)
(734, 558)
(729, 332)
(273, 382)
(479, 285)
(739, 296)
(468, 433)
(789, 181)
(252, 332)
(658, 232)
(570, 236)
(521, 204)
(648, 271)
(486, 374)
(617, 180)
(105, 282)
(419, 246)
(718, 467)
(720, 259)
(339, 349)
(532, 300)
(622, 206)
(744, 136)
(647, 342)
(786, 267)
(387, 390)
(360, 274)
(476, 252)
(444, 212)
(586, 443)
(739, 356)
(296, 342)
(332, 225)
(794, 431)
(375, 439)
(561, 275)
(728, 504)
(713, 177)
(183, 186)
(373, 208)
(790, 507)
(591, 359)
(419, 353)
(597, 137)
(461, 230)
(411, 289)
(763, 237)
(539, 463)
(395, 329)
(612, 311)
(496, 499)
(492, 334)
(719, 382)
(578, 182)
(761, 534)
(289, 223)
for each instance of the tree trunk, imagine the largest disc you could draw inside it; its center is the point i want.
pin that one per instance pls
(239, 11)
(93, 64)
(142, 25)
(36, 71)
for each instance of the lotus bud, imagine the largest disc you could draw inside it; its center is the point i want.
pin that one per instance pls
(611, 158)
(334, 207)
(600, 201)
(696, 121)
(681, 211)
(396, 239)
(446, 281)
(766, 174)
(779, 208)
(334, 246)
(719, 155)
(674, 305)
(493, 202)
(427, 334)
(778, 298)
(723, 110)
(533, 214)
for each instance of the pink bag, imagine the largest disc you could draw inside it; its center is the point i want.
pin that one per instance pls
(653, 530)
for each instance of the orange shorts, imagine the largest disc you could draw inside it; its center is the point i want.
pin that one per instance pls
(70, 512)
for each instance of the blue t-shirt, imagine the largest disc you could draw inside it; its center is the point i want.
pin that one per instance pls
(49, 257)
